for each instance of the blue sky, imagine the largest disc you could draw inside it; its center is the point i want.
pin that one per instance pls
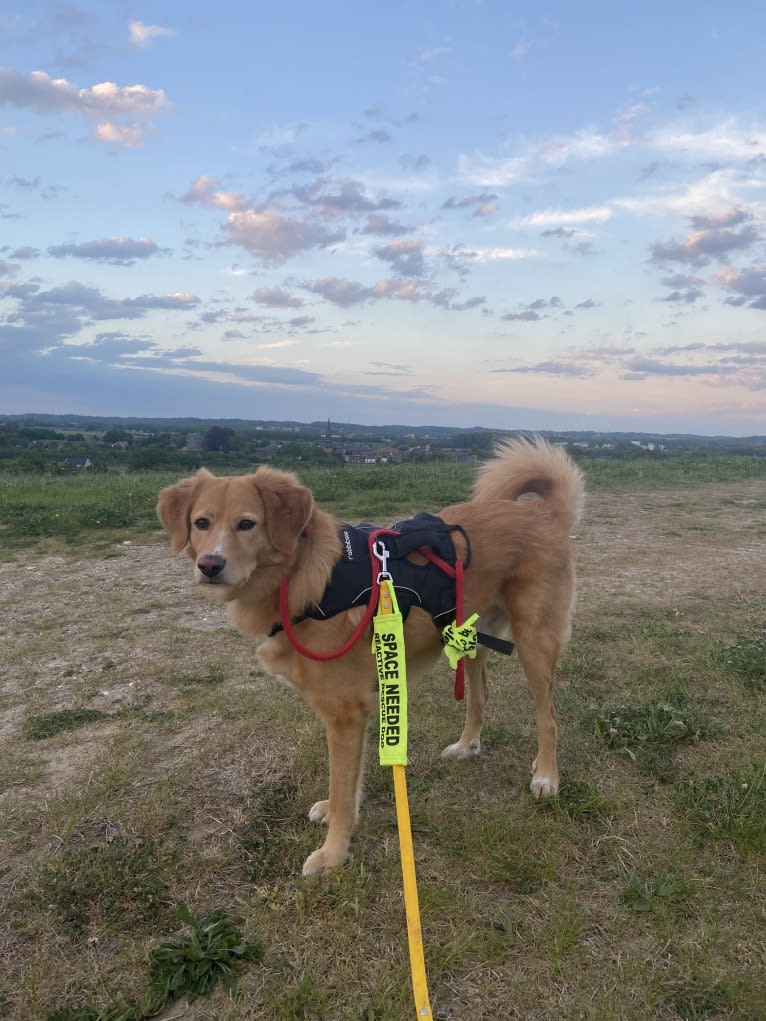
(508, 214)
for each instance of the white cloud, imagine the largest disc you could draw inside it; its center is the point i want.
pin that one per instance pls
(583, 145)
(726, 141)
(143, 35)
(42, 94)
(564, 217)
(492, 171)
(484, 171)
(497, 254)
(273, 237)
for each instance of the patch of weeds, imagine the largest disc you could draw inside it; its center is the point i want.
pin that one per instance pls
(190, 964)
(747, 659)
(729, 807)
(212, 678)
(118, 883)
(645, 895)
(647, 734)
(212, 950)
(38, 728)
(576, 799)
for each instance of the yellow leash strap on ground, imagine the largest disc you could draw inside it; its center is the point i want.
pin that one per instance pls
(388, 650)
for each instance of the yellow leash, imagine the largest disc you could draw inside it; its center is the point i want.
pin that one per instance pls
(388, 650)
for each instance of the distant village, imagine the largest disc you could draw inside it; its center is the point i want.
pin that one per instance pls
(73, 443)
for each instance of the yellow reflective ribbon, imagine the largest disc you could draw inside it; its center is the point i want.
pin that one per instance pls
(460, 640)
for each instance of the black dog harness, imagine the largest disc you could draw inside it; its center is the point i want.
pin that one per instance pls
(426, 586)
(436, 586)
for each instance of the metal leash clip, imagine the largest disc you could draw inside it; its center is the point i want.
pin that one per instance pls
(381, 553)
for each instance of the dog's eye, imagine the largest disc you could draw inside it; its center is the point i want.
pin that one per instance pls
(245, 525)
(202, 524)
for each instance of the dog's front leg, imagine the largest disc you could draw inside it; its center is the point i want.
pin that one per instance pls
(346, 725)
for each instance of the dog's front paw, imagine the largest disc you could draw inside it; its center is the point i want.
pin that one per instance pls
(544, 787)
(321, 860)
(320, 813)
(462, 749)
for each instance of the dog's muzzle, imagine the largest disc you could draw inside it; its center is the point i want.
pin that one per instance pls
(211, 566)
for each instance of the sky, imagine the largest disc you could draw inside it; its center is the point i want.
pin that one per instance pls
(516, 215)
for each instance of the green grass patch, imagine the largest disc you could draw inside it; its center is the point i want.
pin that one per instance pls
(728, 808)
(69, 507)
(699, 998)
(677, 470)
(577, 801)
(746, 659)
(210, 678)
(39, 728)
(647, 734)
(117, 884)
(46, 725)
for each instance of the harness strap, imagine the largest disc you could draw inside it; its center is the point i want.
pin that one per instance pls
(496, 644)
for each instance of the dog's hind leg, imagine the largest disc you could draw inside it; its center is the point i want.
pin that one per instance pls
(346, 726)
(469, 743)
(538, 654)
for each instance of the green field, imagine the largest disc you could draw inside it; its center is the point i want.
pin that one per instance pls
(156, 785)
(87, 506)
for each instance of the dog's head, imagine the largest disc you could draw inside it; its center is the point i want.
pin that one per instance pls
(230, 526)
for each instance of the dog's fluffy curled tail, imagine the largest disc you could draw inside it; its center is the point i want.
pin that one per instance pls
(522, 466)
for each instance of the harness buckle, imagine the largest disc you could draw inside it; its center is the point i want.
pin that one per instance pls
(380, 553)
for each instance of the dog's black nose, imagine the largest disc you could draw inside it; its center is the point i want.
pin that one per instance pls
(211, 565)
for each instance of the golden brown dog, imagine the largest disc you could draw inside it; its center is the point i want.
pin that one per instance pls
(244, 533)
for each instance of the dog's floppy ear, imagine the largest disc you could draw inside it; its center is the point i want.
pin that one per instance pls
(174, 508)
(287, 505)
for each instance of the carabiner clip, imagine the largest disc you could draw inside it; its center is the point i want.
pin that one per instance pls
(381, 553)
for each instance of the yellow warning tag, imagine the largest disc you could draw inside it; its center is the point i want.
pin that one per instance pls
(388, 650)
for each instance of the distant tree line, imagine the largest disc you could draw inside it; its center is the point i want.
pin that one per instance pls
(26, 446)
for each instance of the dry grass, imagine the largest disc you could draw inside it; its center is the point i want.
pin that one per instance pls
(615, 901)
